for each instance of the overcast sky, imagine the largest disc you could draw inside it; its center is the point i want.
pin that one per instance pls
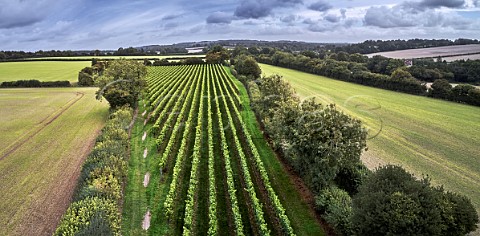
(109, 24)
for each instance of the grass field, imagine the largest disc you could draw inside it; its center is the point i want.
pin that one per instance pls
(45, 136)
(426, 136)
(118, 57)
(41, 70)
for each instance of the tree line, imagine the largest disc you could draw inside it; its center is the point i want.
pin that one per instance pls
(34, 84)
(323, 145)
(386, 73)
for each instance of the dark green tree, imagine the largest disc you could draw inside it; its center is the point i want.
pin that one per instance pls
(246, 65)
(122, 82)
(392, 202)
(440, 88)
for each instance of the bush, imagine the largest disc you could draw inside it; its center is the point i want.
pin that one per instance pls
(349, 178)
(336, 206)
(80, 214)
(99, 189)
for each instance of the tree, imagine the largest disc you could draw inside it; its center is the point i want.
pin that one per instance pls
(122, 82)
(401, 74)
(440, 88)
(246, 65)
(392, 202)
(460, 93)
(217, 54)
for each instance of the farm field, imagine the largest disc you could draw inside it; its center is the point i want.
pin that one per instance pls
(200, 164)
(426, 136)
(118, 57)
(465, 57)
(41, 70)
(45, 137)
(433, 52)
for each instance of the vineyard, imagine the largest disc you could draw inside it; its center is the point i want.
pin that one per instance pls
(215, 180)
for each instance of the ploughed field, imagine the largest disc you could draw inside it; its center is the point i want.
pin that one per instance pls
(448, 53)
(46, 134)
(41, 70)
(200, 164)
(428, 136)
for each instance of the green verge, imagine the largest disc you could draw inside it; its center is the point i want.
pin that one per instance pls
(135, 199)
(302, 220)
(426, 136)
(138, 199)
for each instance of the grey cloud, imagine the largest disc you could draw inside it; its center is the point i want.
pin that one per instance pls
(252, 9)
(219, 18)
(321, 6)
(385, 17)
(289, 2)
(288, 19)
(442, 3)
(405, 15)
(342, 12)
(170, 25)
(476, 3)
(20, 13)
(332, 18)
(13, 22)
(309, 21)
(170, 17)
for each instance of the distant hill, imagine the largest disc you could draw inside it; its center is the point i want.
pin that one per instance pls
(282, 44)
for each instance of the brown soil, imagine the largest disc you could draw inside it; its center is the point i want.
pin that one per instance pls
(47, 121)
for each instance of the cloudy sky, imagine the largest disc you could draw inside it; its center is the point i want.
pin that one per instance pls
(109, 24)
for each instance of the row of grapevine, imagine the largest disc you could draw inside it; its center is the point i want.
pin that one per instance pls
(183, 147)
(176, 98)
(212, 197)
(163, 85)
(192, 188)
(228, 167)
(163, 105)
(257, 207)
(279, 209)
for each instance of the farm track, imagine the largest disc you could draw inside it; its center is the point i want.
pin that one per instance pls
(43, 124)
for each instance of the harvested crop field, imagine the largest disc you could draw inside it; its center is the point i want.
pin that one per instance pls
(45, 137)
(455, 50)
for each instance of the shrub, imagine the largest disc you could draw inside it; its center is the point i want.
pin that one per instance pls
(80, 215)
(336, 206)
(99, 189)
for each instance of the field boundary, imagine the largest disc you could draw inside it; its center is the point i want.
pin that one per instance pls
(19, 142)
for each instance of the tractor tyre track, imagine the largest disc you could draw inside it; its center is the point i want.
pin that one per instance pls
(48, 122)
